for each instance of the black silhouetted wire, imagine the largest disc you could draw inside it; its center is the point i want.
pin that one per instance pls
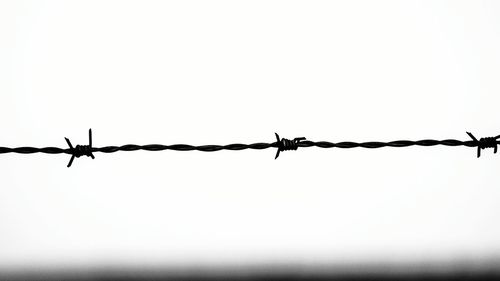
(281, 144)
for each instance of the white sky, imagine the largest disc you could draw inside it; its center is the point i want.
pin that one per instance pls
(236, 72)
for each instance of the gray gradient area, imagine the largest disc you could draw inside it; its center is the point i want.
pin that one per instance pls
(268, 271)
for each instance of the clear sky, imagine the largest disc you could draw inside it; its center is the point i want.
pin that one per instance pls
(236, 72)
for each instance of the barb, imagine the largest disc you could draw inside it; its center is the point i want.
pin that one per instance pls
(80, 150)
(282, 144)
(484, 143)
(286, 144)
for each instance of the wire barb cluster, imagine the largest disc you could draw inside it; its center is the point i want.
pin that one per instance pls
(483, 143)
(282, 144)
(80, 150)
(286, 144)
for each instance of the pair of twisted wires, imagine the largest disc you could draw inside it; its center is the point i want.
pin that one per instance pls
(281, 144)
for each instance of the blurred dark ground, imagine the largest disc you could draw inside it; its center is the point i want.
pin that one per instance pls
(484, 271)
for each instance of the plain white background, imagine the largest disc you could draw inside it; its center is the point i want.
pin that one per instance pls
(219, 72)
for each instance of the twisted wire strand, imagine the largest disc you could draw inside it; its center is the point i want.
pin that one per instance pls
(282, 144)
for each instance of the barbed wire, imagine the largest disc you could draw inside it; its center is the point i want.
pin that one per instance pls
(282, 144)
